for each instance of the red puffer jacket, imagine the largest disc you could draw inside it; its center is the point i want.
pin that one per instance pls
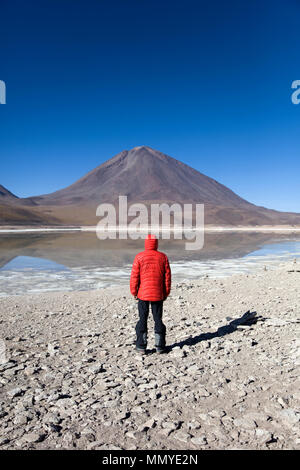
(151, 275)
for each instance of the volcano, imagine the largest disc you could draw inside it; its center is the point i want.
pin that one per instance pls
(146, 175)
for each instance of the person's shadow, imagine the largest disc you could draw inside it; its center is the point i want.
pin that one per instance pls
(248, 318)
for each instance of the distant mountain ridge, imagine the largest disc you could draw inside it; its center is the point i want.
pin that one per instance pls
(143, 175)
(5, 194)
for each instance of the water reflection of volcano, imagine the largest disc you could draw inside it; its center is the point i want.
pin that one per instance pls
(79, 249)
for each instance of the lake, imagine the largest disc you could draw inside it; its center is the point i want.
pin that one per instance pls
(64, 261)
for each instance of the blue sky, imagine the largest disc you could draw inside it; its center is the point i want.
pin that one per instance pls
(207, 82)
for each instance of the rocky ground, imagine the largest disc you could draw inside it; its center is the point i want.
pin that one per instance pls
(71, 379)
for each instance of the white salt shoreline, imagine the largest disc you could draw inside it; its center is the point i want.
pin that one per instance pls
(19, 282)
(144, 230)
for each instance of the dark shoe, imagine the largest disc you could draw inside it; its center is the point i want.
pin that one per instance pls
(141, 351)
(160, 350)
(160, 343)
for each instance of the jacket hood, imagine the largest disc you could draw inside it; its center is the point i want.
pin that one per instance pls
(151, 243)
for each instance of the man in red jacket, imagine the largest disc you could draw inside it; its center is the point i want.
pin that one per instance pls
(150, 281)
